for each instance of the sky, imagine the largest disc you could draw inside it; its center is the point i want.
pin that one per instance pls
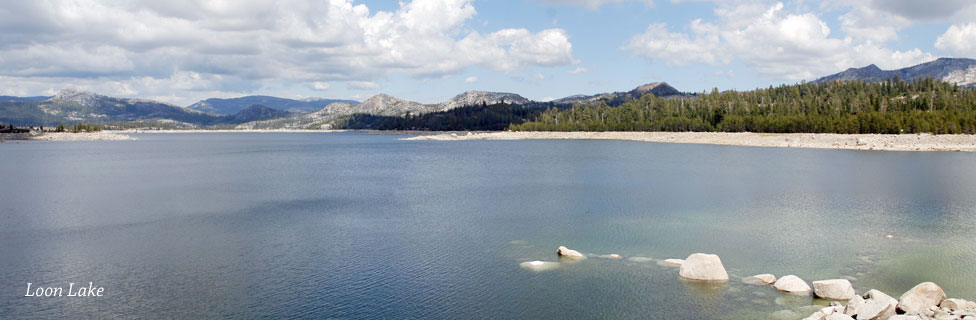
(183, 51)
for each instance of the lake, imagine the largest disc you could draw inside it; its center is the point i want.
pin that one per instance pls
(355, 225)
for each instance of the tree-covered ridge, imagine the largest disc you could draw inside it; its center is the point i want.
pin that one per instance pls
(893, 106)
(478, 117)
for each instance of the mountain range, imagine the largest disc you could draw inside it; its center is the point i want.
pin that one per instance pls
(234, 105)
(73, 106)
(959, 71)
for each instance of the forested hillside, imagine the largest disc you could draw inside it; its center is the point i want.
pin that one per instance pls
(893, 106)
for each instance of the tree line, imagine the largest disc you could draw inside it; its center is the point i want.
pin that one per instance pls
(894, 106)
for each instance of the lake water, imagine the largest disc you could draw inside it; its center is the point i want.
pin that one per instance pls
(353, 225)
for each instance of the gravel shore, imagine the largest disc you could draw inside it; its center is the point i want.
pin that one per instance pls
(888, 142)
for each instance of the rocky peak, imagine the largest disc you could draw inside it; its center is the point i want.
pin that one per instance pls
(84, 98)
(474, 97)
(656, 88)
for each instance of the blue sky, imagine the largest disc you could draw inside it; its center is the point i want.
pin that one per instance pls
(182, 51)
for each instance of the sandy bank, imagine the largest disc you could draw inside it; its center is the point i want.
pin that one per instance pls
(890, 142)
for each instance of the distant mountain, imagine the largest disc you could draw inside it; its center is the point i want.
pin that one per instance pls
(379, 105)
(660, 89)
(960, 71)
(12, 98)
(74, 106)
(473, 97)
(258, 112)
(235, 105)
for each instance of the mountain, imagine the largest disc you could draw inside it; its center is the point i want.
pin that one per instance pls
(12, 98)
(473, 97)
(74, 106)
(258, 112)
(960, 71)
(378, 105)
(660, 89)
(235, 105)
(71, 106)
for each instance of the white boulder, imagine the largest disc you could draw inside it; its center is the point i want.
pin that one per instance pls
(569, 253)
(701, 266)
(922, 297)
(838, 316)
(853, 305)
(955, 304)
(834, 289)
(611, 256)
(792, 284)
(876, 310)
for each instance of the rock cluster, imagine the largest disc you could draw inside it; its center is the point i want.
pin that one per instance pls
(924, 301)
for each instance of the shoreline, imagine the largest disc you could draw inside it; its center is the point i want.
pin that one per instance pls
(880, 142)
(66, 136)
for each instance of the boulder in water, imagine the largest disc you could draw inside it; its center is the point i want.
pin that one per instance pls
(539, 266)
(701, 266)
(760, 279)
(569, 253)
(922, 297)
(792, 284)
(671, 262)
(834, 289)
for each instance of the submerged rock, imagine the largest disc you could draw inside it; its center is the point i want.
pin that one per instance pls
(639, 259)
(792, 284)
(569, 253)
(922, 297)
(760, 279)
(701, 266)
(539, 266)
(834, 289)
(670, 262)
(611, 256)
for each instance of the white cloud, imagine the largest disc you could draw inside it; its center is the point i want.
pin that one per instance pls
(471, 79)
(959, 39)
(247, 43)
(578, 70)
(362, 85)
(321, 86)
(595, 4)
(774, 43)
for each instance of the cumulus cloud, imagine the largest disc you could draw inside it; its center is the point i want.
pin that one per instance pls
(959, 39)
(578, 70)
(470, 79)
(321, 86)
(774, 43)
(923, 10)
(249, 41)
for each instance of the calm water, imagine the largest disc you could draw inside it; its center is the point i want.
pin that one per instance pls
(354, 225)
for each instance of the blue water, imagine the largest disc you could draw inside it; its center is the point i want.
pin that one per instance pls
(354, 225)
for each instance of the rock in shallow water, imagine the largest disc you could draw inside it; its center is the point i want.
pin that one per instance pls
(760, 279)
(701, 266)
(539, 266)
(876, 310)
(833, 289)
(639, 259)
(922, 297)
(671, 262)
(792, 284)
(569, 253)
(611, 256)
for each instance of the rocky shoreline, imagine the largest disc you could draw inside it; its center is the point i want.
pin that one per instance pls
(65, 136)
(924, 301)
(887, 142)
